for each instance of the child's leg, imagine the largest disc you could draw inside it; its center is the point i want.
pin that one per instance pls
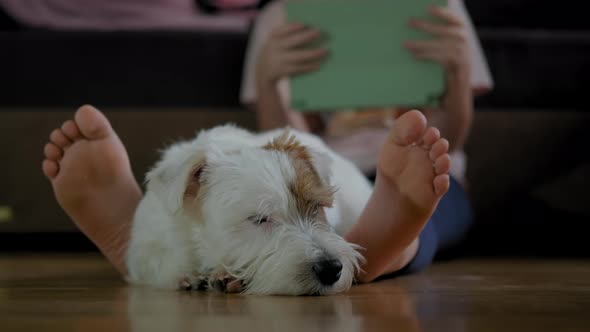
(92, 180)
(453, 216)
(412, 176)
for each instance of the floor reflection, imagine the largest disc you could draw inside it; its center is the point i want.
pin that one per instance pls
(366, 309)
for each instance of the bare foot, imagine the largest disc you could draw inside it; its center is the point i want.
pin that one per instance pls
(92, 180)
(412, 176)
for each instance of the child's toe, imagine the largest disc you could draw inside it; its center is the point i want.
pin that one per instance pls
(430, 137)
(441, 184)
(52, 152)
(408, 128)
(439, 148)
(442, 164)
(58, 138)
(71, 130)
(50, 168)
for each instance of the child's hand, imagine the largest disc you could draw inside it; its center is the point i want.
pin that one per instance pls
(284, 53)
(449, 48)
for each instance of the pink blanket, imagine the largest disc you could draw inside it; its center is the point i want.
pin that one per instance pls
(123, 14)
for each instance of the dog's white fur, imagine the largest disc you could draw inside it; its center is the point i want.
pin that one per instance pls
(215, 231)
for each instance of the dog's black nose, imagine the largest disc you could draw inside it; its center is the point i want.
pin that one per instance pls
(327, 271)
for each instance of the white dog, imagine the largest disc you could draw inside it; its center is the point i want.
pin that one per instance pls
(265, 210)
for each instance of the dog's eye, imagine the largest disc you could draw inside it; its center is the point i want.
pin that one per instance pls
(315, 212)
(259, 220)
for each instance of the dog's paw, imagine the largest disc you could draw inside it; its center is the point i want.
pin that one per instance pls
(223, 282)
(192, 281)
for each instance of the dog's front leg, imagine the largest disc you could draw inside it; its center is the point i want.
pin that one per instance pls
(193, 281)
(222, 281)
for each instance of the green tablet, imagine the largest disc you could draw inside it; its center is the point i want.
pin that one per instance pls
(368, 65)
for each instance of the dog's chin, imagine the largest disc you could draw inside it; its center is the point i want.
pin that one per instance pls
(304, 285)
(319, 290)
(342, 285)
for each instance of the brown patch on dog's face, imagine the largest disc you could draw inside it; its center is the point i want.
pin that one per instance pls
(310, 194)
(308, 191)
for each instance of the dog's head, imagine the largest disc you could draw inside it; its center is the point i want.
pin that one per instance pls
(259, 210)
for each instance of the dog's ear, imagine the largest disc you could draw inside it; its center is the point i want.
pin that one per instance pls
(322, 164)
(177, 177)
(193, 183)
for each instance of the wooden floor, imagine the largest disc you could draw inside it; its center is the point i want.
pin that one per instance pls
(82, 293)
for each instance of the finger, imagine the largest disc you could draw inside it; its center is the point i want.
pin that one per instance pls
(399, 112)
(299, 39)
(448, 60)
(448, 52)
(303, 56)
(288, 29)
(446, 15)
(442, 46)
(437, 29)
(433, 56)
(298, 69)
(427, 45)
